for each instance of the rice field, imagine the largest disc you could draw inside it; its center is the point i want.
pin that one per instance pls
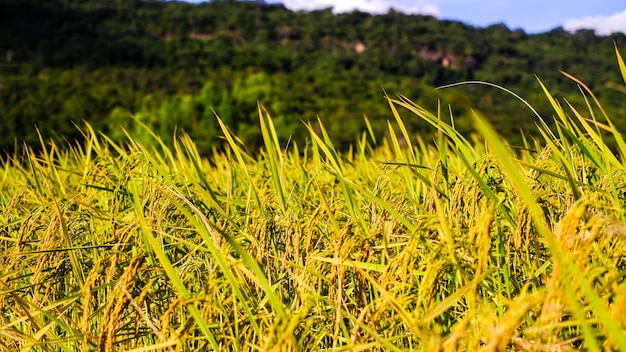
(401, 244)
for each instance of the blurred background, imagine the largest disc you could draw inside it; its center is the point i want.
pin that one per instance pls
(174, 65)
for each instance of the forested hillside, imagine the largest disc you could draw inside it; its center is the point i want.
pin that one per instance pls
(172, 64)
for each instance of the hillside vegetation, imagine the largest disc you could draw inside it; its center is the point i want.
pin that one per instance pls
(171, 64)
(441, 245)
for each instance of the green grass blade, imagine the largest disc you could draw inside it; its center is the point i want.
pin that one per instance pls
(274, 155)
(620, 61)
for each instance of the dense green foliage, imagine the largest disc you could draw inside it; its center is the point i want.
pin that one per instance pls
(170, 64)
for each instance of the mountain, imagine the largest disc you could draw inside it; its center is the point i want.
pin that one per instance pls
(172, 64)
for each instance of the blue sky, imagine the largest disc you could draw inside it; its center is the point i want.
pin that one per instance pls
(533, 16)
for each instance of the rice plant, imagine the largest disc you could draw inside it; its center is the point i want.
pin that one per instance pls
(454, 244)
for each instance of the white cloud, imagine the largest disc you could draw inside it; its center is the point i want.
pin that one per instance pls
(603, 25)
(371, 6)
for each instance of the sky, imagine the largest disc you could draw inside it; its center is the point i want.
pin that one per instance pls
(533, 16)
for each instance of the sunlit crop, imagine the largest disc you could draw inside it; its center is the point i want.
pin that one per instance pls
(405, 243)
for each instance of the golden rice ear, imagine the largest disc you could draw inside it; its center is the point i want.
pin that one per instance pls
(118, 303)
(568, 230)
(90, 283)
(483, 240)
(428, 286)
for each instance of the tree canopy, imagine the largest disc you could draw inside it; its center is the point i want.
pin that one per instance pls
(173, 65)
